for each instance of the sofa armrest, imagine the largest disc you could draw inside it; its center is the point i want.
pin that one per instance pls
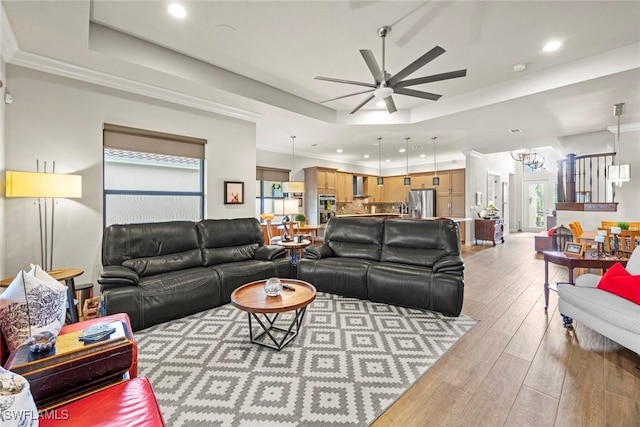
(588, 280)
(318, 251)
(118, 275)
(449, 264)
(270, 252)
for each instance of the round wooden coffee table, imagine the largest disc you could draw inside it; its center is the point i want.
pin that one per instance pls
(253, 299)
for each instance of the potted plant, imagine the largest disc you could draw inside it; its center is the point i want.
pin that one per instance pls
(301, 219)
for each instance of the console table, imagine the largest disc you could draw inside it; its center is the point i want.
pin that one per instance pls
(491, 230)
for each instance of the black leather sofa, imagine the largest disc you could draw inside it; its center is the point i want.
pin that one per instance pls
(156, 272)
(406, 262)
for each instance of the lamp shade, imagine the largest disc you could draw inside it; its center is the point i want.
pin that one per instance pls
(620, 173)
(38, 184)
(293, 187)
(285, 206)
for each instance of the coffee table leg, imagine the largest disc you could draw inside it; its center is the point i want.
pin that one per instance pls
(289, 333)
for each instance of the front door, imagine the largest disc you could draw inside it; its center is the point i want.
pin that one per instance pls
(536, 202)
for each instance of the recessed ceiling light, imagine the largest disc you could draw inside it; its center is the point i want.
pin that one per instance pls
(519, 67)
(387, 160)
(366, 156)
(380, 104)
(402, 150)
(177, 10)
(423, 155)
(339, 150)
(552, 45)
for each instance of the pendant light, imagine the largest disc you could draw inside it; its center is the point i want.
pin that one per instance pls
(619, 173)
(293, 186)
(380, 179)
(436, 178)
(407, 179)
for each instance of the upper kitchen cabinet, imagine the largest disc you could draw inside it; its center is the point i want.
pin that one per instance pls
(371, 188)
(344, 187)
(323, 180)
(450, 193)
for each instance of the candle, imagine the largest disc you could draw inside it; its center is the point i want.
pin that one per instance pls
(602, 232)
(616, 230)
(599, 239)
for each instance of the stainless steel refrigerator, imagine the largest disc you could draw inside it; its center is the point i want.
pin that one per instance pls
(422, 203)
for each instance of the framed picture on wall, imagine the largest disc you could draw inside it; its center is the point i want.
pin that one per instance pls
(233, 193)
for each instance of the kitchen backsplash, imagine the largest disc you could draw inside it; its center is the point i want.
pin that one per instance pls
(357, 207)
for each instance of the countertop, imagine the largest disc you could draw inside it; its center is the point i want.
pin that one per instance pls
(368, 214)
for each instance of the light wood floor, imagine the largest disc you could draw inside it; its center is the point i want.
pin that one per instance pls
(519, 366)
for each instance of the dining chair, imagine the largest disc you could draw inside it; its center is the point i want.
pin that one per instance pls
(576, 229)
(629, 240)
(634, 226)
(608, 224)
(561, 236)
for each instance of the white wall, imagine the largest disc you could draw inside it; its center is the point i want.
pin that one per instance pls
(53, 118)
(2, 158)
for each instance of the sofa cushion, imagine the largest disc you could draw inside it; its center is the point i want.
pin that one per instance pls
(355, 237)
(337, 275)
(413, 286)
(419, 242)
(229, 240)
(602, 305)
(123, 242)
(235, 274)
(163, 263)
(619, 281)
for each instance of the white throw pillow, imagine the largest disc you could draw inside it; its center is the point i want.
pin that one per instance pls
(34, 302)
(17, 407)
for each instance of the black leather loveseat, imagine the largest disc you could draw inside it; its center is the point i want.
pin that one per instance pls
(161, 271)
(412, 263)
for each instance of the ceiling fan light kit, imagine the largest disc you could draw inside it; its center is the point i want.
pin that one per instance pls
(385, 84)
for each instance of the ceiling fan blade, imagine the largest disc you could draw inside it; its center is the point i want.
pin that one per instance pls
(417, 93)
(372, 64)
(346, 96)
(349, 82)
(362, 104)
(391, 106)
(433, 78)
(415, 65)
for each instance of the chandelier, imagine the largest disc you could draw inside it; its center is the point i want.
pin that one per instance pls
(528, 157)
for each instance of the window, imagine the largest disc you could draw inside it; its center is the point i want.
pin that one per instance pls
(147, 180)
(269, 189)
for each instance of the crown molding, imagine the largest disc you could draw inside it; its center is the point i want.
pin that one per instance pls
(9, 43)
(629, 127)
(75, 72)
(472, 153)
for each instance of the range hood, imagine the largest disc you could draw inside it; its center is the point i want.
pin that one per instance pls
(358, 187)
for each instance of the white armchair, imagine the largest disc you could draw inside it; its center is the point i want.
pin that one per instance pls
(612, 316)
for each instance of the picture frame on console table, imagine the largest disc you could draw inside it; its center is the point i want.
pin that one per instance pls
(233, 193)
(574, 248)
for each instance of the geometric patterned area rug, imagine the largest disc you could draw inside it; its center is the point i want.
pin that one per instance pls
(351, 360)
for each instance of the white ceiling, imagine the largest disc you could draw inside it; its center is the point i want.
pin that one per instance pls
(282, 45)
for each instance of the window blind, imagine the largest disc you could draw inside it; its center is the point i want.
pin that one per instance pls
(148, 141)
(272, 174)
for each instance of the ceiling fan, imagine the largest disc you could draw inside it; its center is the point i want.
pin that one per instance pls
(386, 85)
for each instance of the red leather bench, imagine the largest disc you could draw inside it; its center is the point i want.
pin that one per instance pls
(130, 403)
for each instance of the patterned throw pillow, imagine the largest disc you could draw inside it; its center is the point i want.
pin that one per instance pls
(17, 408)
(34, 302)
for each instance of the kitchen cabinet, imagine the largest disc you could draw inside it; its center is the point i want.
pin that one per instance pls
(344, 187)
(450, 198)
(321, 179)
(371, 188)
(394, 190)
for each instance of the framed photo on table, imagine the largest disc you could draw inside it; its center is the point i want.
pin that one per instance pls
(233, 193)
(574, 248)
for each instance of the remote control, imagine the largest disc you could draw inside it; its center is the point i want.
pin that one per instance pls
(286, 286)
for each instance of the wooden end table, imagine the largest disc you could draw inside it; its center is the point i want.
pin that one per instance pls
(253, 299)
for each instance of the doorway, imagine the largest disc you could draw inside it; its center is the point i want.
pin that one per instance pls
(536, 202)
